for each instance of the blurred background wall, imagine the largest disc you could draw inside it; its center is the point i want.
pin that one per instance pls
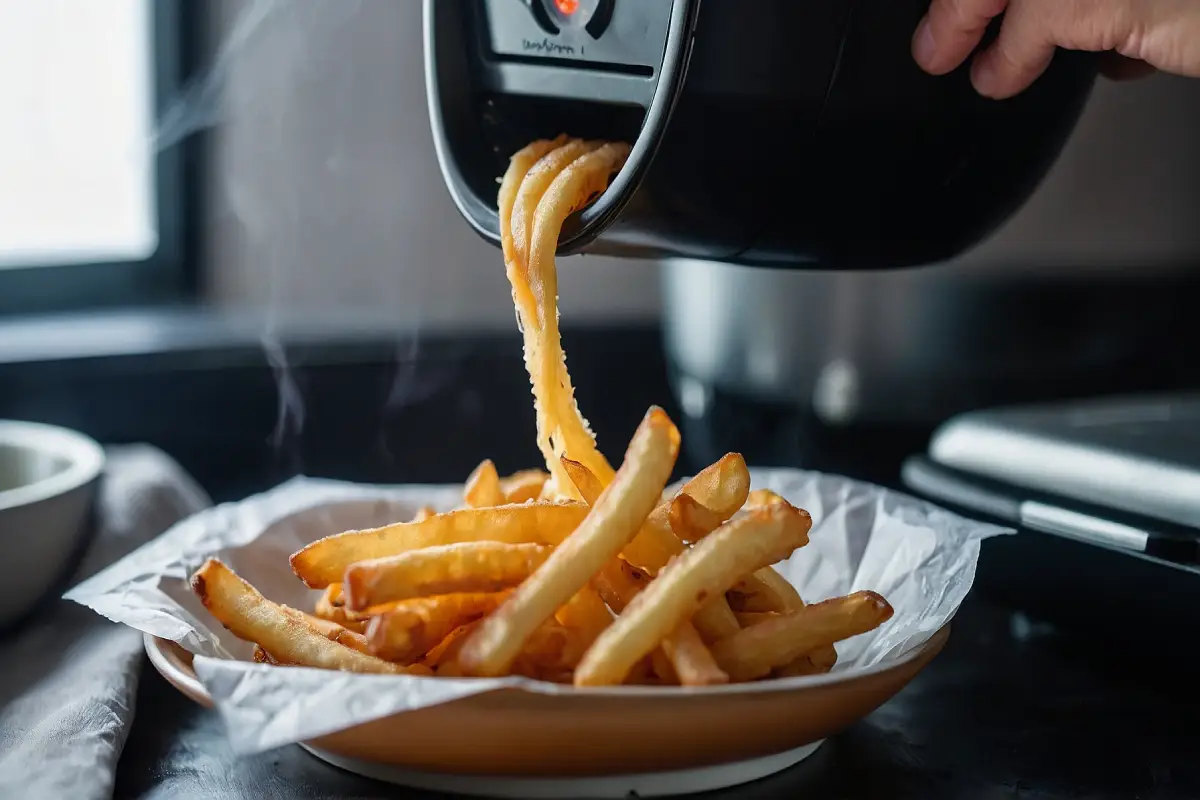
(326, 190)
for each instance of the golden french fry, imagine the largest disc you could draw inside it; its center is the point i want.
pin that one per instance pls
(448, 665)
(534, 186)
(763, 497)
(755, 651)
(691, 663)
(691, 659)
(817, 662)
(331, 606)
(585, 613)
(691, 520)
(412, 628)
(482, 489)
(523, 486)
(764, 590)
(587, 484)
(653, 547)
(325, 561)
(437, 653)
(465, 567)
(251, 617)
(798, 667)
(423, 513)
(553, 648)
(748, 618)
(687, 583)
(518, 167)
(529, 258)
(721, 487)
(330, 630)
(612, 522)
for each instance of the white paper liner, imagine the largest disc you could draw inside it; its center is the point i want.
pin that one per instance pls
(920, 557)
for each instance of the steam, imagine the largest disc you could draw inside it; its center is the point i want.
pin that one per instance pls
(259, 74)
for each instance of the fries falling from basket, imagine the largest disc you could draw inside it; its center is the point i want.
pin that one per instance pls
(578, 573)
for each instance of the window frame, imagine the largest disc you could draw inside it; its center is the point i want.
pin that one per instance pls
(169, 274)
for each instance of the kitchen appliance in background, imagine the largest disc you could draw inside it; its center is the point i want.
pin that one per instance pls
(781, 134)
(802, 137)
(1105, 494)
(1088, 290)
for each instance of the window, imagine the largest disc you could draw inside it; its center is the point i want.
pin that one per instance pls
(91, 212)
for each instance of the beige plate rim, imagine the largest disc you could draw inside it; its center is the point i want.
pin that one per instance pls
(180, 669)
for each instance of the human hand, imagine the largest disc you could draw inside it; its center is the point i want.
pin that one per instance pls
(1137, 37)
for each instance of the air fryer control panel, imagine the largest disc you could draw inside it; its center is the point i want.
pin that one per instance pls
(595, 33)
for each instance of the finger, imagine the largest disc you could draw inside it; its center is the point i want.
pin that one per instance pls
(1020, 54)
(950, 31)
(1117, 67)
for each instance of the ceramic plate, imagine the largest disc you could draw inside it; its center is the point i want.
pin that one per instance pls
(515, 743)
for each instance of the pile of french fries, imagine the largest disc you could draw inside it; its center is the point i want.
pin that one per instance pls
(579, 574)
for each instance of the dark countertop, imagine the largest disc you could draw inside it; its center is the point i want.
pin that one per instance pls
(1011, 708)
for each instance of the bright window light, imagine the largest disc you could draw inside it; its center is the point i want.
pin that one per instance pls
(76, 161)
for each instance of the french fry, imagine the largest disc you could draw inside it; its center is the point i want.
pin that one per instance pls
(578, 176)
(585, 482)
(691, 663)
(413, 628)
(534, 186)
(553, 648)
(749, 618)
(755, 651)
(690, 519)
(818, 662)
(437, 653)
(691, 659)
(325, 561)
(330, 630)
(612, 522)
(687, 583)
(653, 547)
(760, 498)
(448, 663)
(721, 487)
(465, 567)
(331, 606)
(482, 489)
(523, 486)
(585, 613)
(533, 307)
(249, 616)
(423, 513)
(762, 591)
(518, 167)
(261, 656)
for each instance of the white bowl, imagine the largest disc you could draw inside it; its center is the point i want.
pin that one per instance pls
(48, 478)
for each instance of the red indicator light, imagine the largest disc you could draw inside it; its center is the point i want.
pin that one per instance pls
(566, 7)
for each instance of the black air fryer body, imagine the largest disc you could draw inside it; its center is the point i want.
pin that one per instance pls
(774, 132)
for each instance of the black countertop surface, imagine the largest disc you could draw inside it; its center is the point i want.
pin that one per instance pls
(1012, 708)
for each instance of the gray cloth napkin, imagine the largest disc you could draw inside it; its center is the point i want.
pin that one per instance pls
(68, 680)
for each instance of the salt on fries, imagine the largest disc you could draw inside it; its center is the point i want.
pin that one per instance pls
(577, 573)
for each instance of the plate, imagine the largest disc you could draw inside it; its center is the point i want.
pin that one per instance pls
(601, 743)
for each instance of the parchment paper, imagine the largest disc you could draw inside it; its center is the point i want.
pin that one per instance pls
(920, 557)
